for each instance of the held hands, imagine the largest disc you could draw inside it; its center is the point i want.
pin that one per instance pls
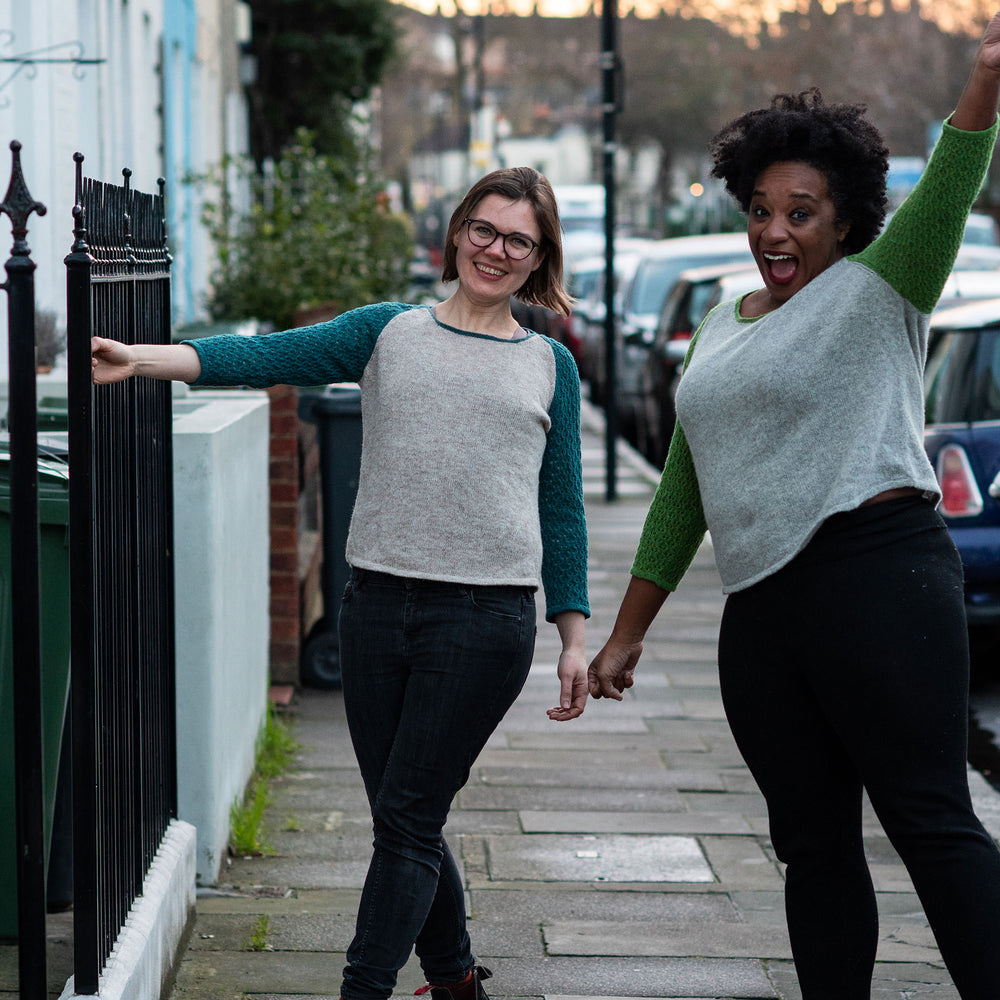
(613, 669)
(110, 361)
(572, 672)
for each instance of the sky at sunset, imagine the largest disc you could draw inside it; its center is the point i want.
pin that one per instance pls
(742, 15)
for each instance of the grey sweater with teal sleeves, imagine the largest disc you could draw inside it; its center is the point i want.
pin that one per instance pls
(470, 468)
(787, 418)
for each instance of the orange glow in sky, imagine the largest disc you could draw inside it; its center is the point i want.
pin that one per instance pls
(743, 15)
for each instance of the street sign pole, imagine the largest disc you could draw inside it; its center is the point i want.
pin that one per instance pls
(610, 107)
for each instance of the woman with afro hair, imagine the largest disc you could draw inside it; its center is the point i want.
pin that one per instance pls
(843, 652)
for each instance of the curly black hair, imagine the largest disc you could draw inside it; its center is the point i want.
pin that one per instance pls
(836, 139)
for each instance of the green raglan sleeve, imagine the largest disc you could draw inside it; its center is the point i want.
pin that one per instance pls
(560, 496)
(335, 351)
(917, 250)
(675, 523)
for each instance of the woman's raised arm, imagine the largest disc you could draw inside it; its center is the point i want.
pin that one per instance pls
(976, 110)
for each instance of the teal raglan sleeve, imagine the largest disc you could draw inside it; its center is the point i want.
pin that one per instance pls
(335, 351)
(917, 251)
(560, 497)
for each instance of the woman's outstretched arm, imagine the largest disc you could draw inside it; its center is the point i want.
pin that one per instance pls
(112, 361)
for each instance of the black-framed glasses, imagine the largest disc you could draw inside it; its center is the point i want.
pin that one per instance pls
(517, 246)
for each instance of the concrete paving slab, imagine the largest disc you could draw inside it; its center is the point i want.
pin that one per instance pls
(675, 737)
(317, 845)
(343, 902)
(284, 932)
(218, 975)
(691, 779)
(59, 967)
(592, 762)
(628, 800)
(481, 822)
(547, 857)
(635, 822)
(740, 863)
(599, 721)
(551, 996)
(665, 940)
(891, 981)
(635, 977)
(299, 874)
(725, 940)
(503, 905)
(706, 651)
(759, 906)
(700, 703)
(746, 804)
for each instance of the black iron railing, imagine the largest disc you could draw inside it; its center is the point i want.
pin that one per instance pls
(122, 599)
(25, 616)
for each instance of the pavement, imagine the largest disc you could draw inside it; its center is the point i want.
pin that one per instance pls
(625, 854)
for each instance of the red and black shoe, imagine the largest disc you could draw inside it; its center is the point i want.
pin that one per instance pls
(470, 988)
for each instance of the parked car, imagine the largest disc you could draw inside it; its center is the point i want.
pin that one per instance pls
(981, 229)
(644, 297)
(546, 321)
(962, 438)
(686, 306)
(583, 277)
(966, 286)
(591, 311)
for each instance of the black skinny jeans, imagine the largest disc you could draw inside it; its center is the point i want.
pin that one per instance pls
(848, 670)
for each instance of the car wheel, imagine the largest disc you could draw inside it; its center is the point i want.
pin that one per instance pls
(319, 664)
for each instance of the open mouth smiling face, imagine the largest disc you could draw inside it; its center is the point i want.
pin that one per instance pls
(793, 230)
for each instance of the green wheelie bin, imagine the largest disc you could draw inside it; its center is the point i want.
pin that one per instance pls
(53, 516)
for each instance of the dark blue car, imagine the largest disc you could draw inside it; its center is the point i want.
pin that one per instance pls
(962, 438)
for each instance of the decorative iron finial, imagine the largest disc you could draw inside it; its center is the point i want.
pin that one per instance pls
(161, 183)
(79, 212)
(129, 252)
(19, 204)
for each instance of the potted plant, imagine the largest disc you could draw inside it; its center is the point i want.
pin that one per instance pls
(50, 341)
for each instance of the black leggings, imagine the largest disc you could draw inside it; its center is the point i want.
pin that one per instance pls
(848, 669)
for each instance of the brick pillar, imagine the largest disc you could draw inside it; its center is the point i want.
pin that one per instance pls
(286, 610)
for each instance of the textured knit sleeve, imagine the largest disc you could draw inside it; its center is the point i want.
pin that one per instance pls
(560, 497)
(335, 351)
(917, 251)
(675, 522)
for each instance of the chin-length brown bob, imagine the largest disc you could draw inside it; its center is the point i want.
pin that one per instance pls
(544, 286)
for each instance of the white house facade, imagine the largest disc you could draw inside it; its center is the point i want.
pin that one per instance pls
(152, 85)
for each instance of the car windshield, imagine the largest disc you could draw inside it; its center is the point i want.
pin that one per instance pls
(654, 278)
(962, 377)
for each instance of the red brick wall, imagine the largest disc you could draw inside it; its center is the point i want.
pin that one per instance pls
(294, 458)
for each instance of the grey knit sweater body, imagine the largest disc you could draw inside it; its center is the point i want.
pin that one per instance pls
(826, 411)
(471, 467)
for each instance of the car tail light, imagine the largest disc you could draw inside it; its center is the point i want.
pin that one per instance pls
(960, 496)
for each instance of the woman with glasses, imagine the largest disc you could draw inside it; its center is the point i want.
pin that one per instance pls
(470, 497)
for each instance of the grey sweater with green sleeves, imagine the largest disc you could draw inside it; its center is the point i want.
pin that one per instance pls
(808, 410)
(470, 468)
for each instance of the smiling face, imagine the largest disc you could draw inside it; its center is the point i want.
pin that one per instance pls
(487, 274)
(793, 229)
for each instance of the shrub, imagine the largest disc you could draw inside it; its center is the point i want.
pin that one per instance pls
(318, 231)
